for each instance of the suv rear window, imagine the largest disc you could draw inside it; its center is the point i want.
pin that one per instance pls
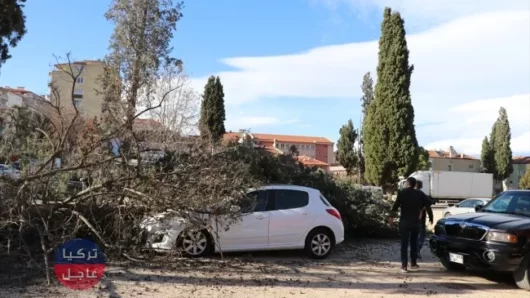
(325, 201)
(290, 199)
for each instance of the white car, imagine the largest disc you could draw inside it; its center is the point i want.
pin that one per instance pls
(283, 217)
(465, 206)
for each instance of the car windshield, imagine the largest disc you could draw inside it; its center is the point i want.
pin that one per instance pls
(510, 202)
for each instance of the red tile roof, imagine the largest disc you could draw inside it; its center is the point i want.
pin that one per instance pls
(281, 138)
(308, 161)
(522, 160)
(445, 154)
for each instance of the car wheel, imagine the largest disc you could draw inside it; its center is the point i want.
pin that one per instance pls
(522, 274)
(319, 243)
(447, 214)
(194, 243)
(451, 266)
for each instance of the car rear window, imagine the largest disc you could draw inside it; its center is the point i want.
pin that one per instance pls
(325, 201)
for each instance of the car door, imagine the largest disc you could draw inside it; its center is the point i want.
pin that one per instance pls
(290, 218)
(466, 206)
(251, 231)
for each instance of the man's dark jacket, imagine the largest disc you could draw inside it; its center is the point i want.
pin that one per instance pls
(411, 202)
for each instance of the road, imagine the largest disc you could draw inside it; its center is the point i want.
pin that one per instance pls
(367, 268)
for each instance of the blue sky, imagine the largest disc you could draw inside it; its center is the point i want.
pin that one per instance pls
(295, 67)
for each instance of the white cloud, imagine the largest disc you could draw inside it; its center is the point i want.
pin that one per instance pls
(423, 13)
(464, 71)
(472, 146)
(472, 121)
(236, 123)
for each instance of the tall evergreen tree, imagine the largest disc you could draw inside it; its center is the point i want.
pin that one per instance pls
(212, 121)
(390, 144)
(368, 95)
(346, 152)
(502, 151)
(486, 157)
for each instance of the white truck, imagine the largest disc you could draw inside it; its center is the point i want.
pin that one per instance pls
(449, 188)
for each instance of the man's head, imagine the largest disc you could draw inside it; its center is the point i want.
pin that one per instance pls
(411, 181)
(419, 184)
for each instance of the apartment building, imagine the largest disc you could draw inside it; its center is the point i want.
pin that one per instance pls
(451, 160)
(9, 99)
(84, 89)
(312, 151)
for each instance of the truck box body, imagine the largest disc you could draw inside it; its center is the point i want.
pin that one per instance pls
(455, 186)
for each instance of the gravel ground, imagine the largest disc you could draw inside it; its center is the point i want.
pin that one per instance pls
(360, 269)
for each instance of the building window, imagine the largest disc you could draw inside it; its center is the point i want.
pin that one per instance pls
(471, 167)
(450, 168)
(79, 80)
(78, 91)
(282, 146)
(77, 103)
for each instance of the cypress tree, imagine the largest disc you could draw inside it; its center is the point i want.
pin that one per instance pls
(486, 157)
(211, 123)
(368, 95)
(390, 144)
(346, 152)
(502, 152)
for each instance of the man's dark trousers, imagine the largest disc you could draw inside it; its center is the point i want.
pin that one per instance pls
(421, 237)
(409, 233)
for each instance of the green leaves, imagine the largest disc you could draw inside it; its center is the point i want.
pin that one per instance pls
(389, 136)
(12, 26)
(500, 145)
(524, 183)
(346, 152)
(487, 157)
(211, 123)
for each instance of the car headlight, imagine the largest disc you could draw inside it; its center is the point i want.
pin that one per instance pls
(501, 237)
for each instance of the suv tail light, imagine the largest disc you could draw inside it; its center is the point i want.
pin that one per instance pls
(334, 213)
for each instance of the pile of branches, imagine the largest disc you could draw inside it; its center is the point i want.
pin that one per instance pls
(46, 205)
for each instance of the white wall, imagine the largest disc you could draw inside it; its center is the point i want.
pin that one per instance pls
(9, 100)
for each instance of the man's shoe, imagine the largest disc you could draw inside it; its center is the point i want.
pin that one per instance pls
(414, 267)
(403, 269)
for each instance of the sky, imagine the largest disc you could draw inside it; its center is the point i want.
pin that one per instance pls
(295, 67)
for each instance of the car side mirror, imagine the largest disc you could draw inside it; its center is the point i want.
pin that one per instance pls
(478, 208)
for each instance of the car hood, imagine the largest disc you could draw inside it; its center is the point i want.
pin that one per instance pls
(497, 221)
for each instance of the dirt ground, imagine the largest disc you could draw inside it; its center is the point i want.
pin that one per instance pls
(361, 269)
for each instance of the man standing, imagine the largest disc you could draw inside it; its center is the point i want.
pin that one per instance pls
(423, 216)
(411, 202)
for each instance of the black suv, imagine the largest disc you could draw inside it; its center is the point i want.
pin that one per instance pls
(496, 237)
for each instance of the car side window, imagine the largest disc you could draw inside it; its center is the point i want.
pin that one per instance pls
(467, 204)
(255, 201)
(523, 205)
(285, 199)
(477, 203)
